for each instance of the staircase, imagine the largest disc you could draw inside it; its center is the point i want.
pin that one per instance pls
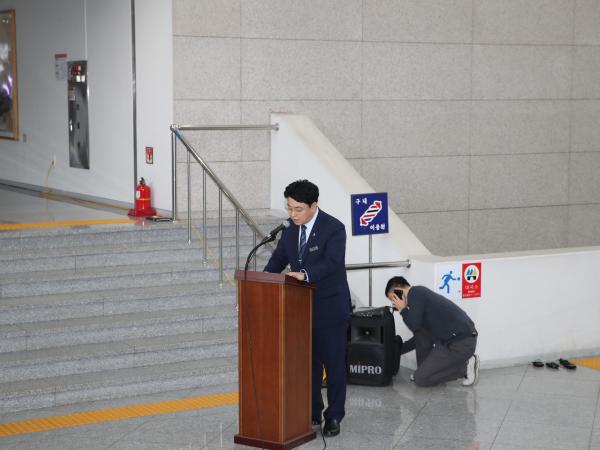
(102, 312)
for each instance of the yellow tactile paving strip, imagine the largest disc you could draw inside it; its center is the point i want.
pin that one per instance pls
(59, 224)
(119, 413)
(591, 363)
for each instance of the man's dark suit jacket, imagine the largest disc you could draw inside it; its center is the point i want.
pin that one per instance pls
(324, 262)
(436, 314)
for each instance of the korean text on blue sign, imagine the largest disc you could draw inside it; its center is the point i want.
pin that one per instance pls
(369, 213)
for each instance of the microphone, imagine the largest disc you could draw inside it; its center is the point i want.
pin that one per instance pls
(268, 238)
(273, 233)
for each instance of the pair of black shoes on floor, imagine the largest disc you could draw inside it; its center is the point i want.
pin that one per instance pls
(331, 427)
(552, 365)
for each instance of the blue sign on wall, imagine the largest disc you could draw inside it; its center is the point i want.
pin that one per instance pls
(369, 213)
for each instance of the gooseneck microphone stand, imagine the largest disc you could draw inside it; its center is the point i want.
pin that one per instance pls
(269, 238)
(266, 240)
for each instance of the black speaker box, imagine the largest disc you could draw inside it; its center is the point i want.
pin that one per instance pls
(372, 355)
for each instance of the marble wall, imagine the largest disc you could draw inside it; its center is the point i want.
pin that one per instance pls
(481, 118)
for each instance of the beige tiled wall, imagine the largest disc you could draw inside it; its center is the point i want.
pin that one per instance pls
(523, 21)
(587, 18)
(586, 67)
(396, 71)
(516, 181)
(300, 69)
(585, 127)
(415, 128)
(438, 21)
(521, 72)
(500, 230)
(519, 127)
(481, 118)
(331, 20)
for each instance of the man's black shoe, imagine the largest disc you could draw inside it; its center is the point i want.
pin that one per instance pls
(316, 422)
(331, 428)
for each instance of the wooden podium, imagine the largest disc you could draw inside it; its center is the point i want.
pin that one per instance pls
(275, 357)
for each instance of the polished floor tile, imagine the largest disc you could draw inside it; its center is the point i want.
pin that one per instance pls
(462, 425)
(553, 410)
(68, 443)
(186, 428)
(595, 441)
(528, 435)
(17, 207)
(392, 422)
(399, 416)
(416, 443)
(486, 408)
(562, 387)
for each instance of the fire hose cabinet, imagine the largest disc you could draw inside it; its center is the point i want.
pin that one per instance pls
(372, 357)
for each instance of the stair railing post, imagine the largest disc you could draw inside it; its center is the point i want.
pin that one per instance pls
(189, 197)
(204, 232)
(220, 238)
(206, 170)
(370, 270)
(174, 175)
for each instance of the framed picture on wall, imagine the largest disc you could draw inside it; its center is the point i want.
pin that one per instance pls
(9, 104)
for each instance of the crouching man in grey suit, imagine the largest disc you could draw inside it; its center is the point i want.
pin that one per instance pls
(444, 336)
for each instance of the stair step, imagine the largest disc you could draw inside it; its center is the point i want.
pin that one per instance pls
(85, 358)
(91, 235)
(64, 390)
(56, 333)
(96, 278)
(99, 312)
(77, 258)
(114, 301)
(81, 257)
(134, 232)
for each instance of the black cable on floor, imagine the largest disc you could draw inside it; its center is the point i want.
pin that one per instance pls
(322, 435)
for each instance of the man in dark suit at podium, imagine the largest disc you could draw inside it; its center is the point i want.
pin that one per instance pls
(314, 247)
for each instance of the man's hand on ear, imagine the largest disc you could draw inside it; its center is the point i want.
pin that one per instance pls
(399, 303)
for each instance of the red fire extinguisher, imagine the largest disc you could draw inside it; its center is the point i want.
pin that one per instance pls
(143, 201)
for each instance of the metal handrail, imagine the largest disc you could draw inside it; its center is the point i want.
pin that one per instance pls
(376, 265)
(239, 209)
(273, 127)
(175, 135)
(379, 265)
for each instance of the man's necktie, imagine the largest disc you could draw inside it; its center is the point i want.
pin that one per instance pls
(302, 242)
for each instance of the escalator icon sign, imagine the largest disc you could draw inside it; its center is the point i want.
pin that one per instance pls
(471, 274)
(471, 280)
